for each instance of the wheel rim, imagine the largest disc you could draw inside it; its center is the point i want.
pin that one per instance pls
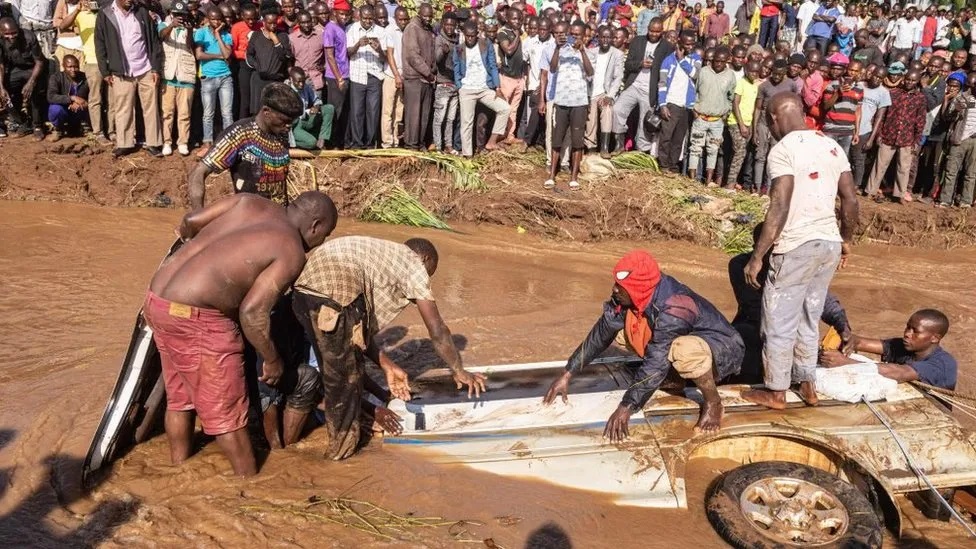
(794, 512)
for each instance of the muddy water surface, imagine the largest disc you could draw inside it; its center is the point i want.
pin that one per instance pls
(73, 278)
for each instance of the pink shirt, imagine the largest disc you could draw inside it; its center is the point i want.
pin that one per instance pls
(130, 34)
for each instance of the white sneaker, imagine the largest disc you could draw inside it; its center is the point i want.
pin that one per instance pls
(167, 149)
(184, 150)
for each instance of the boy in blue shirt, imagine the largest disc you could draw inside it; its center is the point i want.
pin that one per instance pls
(916, 356)
(213, 49)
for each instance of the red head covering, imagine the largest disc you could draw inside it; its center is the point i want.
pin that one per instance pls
(638, 273)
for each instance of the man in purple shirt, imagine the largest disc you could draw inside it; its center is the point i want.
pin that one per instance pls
(130, 58)
(336, 72)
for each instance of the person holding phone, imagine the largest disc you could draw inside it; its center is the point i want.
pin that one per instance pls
(81, 22)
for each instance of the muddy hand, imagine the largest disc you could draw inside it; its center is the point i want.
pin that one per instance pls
(475, 383)
(388, 421)
(617, 429)
(271, 371)
(558, 387)
(398, 382)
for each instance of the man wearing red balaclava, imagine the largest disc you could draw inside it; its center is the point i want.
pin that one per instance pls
(668, 326)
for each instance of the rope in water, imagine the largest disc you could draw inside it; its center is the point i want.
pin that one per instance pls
(918, 472)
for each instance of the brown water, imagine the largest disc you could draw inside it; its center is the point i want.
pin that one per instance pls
(73, 277)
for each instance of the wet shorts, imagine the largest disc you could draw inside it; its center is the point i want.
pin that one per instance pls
(202, 354)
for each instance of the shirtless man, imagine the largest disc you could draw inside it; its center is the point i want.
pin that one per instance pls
(241, 254)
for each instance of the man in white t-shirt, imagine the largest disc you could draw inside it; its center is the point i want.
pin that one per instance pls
(808, 170)
(393, 83)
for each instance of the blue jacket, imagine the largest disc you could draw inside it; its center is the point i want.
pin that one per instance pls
(674, 311)
(487, 57)
(691, 64)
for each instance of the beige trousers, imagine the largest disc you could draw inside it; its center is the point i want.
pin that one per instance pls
(177, 104)
(95, 106)
(597, 114)
(690, 356)
(512, 91)
(122, 94)
(392, 113)
(468, 100)
(885, 154)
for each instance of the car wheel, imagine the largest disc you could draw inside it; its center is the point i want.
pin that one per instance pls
(777, 504)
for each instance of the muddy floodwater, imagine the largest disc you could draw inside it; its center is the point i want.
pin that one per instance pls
(73, 277)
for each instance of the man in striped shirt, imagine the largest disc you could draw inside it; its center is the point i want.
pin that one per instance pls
(842, 102)
(255, 150)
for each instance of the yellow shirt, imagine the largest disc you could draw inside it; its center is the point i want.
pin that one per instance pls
(747, 104)
(85, 23)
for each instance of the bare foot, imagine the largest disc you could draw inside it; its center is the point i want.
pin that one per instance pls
(710, 418)
(387, 421)
(770, 399)
(808, 392)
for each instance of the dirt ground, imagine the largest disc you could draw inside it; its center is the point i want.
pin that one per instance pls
(624, 206)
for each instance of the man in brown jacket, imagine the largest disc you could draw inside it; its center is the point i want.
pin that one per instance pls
(418, 77)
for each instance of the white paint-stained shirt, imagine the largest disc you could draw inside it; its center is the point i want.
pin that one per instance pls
(365, 62)
(388, 274)
(816, 163)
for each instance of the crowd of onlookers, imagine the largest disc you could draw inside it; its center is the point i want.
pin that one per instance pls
(686, 83)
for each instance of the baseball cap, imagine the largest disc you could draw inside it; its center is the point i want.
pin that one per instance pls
(896, 67)
(179, 7)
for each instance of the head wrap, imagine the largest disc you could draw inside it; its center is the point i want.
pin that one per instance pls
(958, 76)
(638, 273)
(896, 68)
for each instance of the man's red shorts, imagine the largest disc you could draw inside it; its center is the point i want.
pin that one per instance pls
(202, 354)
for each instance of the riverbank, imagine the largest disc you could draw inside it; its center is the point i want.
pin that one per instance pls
(611, 205)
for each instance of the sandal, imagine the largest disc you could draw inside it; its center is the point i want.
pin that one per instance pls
(574, 185)
(549, 184)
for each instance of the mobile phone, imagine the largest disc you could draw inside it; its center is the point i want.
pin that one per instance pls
(571, 40)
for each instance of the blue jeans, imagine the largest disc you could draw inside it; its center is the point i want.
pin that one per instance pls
(210, 89)
(768, 26)
(818, 43)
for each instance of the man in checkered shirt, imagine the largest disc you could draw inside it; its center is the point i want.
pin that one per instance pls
(350, 289)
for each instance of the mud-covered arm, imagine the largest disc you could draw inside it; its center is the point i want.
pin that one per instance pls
(652, 371)
(600, 337)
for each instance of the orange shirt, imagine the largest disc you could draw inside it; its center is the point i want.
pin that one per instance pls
(240, 33)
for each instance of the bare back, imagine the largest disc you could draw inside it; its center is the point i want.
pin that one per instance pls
(218, 267)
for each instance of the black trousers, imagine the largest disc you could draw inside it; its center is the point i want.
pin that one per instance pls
(337, 98)
(418, 100)
(342, 364)
(36, 103)
(672, 139)
(365, 102)
(257, 86)
(243, 90)
(534, 132)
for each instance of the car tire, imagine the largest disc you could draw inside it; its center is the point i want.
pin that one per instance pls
(778, 504)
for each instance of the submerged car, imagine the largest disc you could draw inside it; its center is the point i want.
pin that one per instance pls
(824, 476)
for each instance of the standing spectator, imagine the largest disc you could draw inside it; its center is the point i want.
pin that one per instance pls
(82, 22)
(809, 172)
(929, 26)
(608, 76)
(676, 96)
(130, 56)
(22, 83)
(716, 87)
(642, 72)
(419, 76)
(308, 51)
(392, 119)
(875, 104)
(366, 62)
(822, 26)
(901, 133)
(962, 145)
(717, 23)
(842, 103)
(769, 22)
(512, 69)
(179, 78)
(804, 16)
(904, 35)
(535, 126)
(569, 68)
(213, 47)
(763, 139)
(813, 88)
(37, 16)
(740, 120)
(68, 41)
(241, 33)
(476, 77)
(337, 71)
(743, 18)
(877, 25)
(445, 91)
(787, 33)
(67, 97)
(289, 16)
(268, 54)
(866, 52)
